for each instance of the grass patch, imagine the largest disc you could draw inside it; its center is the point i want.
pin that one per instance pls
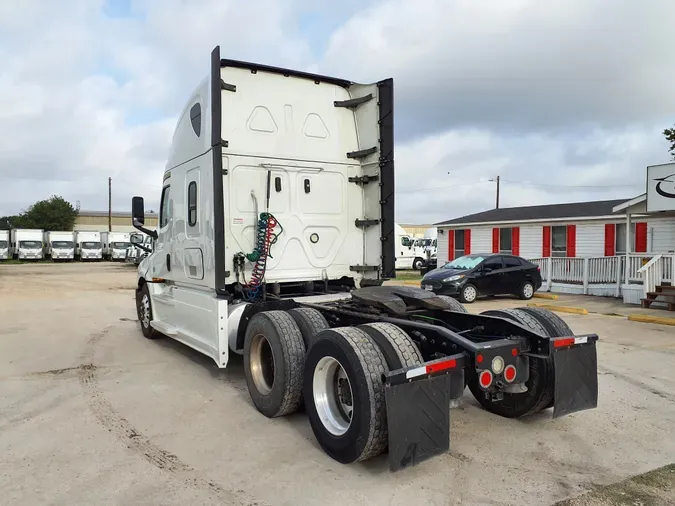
(408, 276)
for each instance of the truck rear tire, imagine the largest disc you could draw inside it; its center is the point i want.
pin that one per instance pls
(454, 304)
(401, 350)
(555, 326)
(310, 322)
(344, 394)
(274, 359)
(539, 385)
(144, 311)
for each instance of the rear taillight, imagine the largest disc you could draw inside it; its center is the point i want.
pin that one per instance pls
(485, 379)
(510, 373)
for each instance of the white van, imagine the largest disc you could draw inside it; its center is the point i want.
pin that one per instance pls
(60, 245)
(27, 243)
(4, 245)
(89, 245)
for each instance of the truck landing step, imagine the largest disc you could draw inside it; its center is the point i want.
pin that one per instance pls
(163, 328)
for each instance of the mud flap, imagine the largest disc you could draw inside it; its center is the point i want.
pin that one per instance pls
(418, 416)
(576, 378)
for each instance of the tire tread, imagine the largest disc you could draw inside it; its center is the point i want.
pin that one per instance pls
(456, 305)
(293, 351)
(404, 346)
(374, 365)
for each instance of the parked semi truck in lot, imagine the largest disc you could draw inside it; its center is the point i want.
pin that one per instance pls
(89, 245)
(59, 245)
(115, 245)
(276, 232)
(27, 243)
(4, 245)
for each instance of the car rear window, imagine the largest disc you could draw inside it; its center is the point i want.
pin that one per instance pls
(512, 262)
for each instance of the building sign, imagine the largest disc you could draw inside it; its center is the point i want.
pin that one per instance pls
(661, 187)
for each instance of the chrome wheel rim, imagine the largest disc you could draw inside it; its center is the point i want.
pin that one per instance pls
(333, 397)
(262, 364)
(470, 293)
(145, 311)
(528, 290)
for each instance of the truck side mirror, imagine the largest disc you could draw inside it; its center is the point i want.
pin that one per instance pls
(136, 239)
(138, 210)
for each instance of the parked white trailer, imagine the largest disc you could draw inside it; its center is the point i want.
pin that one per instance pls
(273, 242)
(115, 245)
(59, 245)
(27, 243)
(89, 245)
(4, 245)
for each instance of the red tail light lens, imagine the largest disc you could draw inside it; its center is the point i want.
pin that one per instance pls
(485, 379)
(510, 373)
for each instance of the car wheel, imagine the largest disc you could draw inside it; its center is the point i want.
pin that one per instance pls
(527, 290)
(468, 294)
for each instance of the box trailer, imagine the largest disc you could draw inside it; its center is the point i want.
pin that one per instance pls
(274, 242)
(115, 245)
(4, 245)
(27, 243)
(59, 245)
(89, 245)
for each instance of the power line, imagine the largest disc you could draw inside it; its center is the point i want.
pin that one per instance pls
(571, 186)
(440, 187)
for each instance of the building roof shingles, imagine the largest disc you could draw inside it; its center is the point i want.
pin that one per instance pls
(549, 211)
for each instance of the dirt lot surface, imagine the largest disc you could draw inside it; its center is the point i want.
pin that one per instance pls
(93, 413)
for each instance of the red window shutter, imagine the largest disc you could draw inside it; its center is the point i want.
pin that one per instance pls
(451, 245)
(546, 242)
(610, 239)
(640, 237)
(495, 240)
(467, 241)
(515, 241)
(571, 240)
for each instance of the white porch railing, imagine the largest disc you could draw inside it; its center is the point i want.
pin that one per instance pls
(605, 275)
(652, 274)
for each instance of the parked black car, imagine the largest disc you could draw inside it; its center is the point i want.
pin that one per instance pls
(471, 276)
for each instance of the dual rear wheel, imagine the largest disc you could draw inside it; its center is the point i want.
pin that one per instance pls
(339, 377)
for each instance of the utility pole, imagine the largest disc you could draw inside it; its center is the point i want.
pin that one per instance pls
(109, 204)
(496, 181)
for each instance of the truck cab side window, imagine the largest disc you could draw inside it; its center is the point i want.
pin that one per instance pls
(192, 203)
(164, 216)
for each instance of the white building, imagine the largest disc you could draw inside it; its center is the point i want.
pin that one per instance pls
(581, 247)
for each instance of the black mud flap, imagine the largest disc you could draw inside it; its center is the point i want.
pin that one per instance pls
(418, 411)
(576, 378)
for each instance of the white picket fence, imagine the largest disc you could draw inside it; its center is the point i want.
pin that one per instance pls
(606, 276)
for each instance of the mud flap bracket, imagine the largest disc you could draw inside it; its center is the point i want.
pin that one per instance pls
(576, 378)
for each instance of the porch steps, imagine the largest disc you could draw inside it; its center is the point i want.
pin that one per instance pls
(662, 298)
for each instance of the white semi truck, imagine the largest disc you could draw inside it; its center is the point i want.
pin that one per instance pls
(115, 245)
(59, 245)
(89, 245)
(27, 243)
(4, 245)
(276, 232)
(409, 255)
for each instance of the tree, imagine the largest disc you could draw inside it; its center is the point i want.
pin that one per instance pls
(670, 137)
(55, 213)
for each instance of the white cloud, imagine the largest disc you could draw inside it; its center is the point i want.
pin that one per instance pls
(560, 92)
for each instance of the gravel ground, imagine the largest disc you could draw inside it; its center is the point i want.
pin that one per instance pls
(93, 413)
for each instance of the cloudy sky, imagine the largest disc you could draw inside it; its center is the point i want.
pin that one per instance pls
(564, 99)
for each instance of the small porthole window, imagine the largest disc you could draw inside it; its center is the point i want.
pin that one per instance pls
(196, 118)
(192, 203)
